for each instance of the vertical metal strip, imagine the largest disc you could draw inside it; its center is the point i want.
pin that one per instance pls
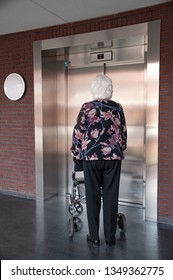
(38, 111)
(153, 57)
(66, 65)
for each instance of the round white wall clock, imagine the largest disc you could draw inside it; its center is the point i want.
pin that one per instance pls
(14, 86)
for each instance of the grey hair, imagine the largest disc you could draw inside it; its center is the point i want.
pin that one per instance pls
(101, 87)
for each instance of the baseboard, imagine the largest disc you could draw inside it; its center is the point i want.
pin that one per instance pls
(17, 194)
(165, 220)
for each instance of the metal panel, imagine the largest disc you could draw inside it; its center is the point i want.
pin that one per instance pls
(152, 115)
(129, 54)
(49, 126)
(101, 56)
(123, 32)
(38, 121)
(128, 84)
(61, 168)
(54, 125)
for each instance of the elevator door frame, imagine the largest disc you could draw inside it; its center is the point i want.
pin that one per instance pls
(152, 31)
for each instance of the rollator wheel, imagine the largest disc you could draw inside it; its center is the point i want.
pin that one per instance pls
(76, 209)
(71, 226)
(122, 222)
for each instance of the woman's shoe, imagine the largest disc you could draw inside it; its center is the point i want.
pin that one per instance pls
(95, 243)
(111, 243)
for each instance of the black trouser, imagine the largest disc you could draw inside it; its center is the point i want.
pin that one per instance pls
(102, 175)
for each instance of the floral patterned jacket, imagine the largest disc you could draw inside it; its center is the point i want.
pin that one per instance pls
(100, 132)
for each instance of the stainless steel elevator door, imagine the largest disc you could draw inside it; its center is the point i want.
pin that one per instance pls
(128, 83)
(129, 90)
(50, 140)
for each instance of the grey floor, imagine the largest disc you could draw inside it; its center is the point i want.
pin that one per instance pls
(34, 231)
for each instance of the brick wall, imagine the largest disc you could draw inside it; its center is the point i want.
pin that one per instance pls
(17, 165)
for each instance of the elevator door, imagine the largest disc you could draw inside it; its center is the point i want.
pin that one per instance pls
(128, 83)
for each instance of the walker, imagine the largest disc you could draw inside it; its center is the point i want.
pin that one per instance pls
(77, 198)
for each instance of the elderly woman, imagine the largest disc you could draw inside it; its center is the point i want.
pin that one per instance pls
(99, 139)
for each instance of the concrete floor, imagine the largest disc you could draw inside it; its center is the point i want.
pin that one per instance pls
(35, 231)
